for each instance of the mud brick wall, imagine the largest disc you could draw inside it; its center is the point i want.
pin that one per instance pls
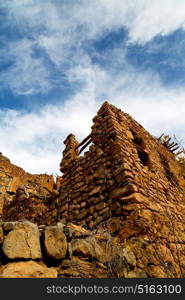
(126, 173)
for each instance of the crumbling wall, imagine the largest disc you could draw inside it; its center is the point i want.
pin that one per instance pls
(127, 183)
(123, 160)
(18, 189)
(129, 175)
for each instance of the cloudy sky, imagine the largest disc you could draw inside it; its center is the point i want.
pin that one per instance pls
(61, 59)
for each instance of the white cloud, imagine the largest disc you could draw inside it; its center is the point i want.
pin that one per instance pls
(34, 140)
(60, 27)
(144, 19)
(156, 17)
(27, 74)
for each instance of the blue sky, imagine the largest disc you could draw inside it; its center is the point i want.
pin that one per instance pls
(60, 60)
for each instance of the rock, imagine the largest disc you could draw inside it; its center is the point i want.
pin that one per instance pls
(98, 220)
(73, 230)
(55, 242)
(129, 134)
(61, 224)
(129, 256)
(133, 198)
(23, 242)
(28, 269)
(137, 274)
(8, 226)
(100, 206)
(90, 248)
(95, 191)
(1, 235)
(81, 269)
(82, 214)
(158, 272)
(1, 203)
(120, 192)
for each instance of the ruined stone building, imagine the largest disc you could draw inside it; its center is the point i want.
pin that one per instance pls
(126, 171)
(127, 182)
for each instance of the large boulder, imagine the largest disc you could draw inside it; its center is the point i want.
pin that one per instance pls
(55, 242)
(23, 242)
(28, 269)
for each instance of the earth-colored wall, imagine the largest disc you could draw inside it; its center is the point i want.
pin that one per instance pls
(18, 189)
(127, 183)
(123, 160)
(128, 176)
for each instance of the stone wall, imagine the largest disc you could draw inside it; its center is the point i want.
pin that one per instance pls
(127, 183)
(21, 191)
(124, 164)
(28, 250)
(12, 177)
(127, 175)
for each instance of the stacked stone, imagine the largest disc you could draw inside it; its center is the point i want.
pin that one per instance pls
(128, 182)
(68, 250)
(26, 250)
(159, 188)
(92, 184)
(34, 202)
(126, 174)
(12, 178)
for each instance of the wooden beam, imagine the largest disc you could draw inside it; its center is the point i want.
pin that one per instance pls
(85, 146)
(88, 137)
(172, 150)
(160, 136)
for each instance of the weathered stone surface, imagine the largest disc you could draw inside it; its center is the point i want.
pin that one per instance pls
(83, 212)
(81, 269)
(1, 235)
(24, 195)
(55, 242)
(120, 192)
(133, 198)
(2, 199)
(129, 256)
(28, 269)
(73, 230)
(137, 274)
(8, 226)
(23, 242)
(90, 248)
(127, 176)
(13, 177)
(100, 206)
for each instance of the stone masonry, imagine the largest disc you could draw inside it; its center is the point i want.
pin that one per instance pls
(127, 183)
(125, 169)
(129, 177)
(23, 195)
